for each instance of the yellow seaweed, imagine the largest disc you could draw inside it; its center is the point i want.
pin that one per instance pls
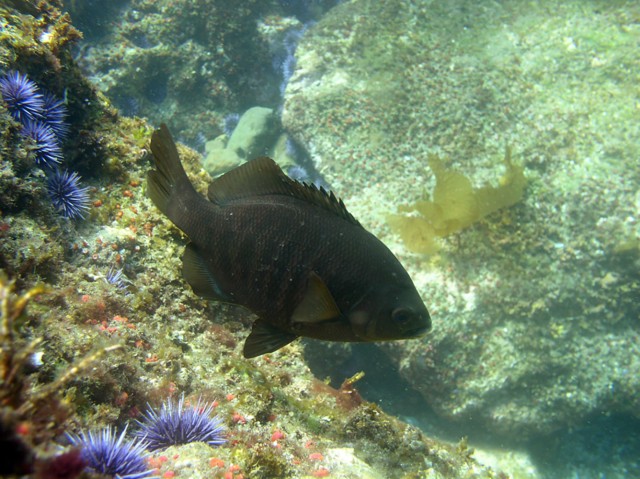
(455, 205)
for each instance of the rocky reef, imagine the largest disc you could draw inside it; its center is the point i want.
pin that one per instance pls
(97, 321)
(535, 306)
(184, 63)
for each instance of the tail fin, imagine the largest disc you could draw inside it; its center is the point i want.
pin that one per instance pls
(167, 183)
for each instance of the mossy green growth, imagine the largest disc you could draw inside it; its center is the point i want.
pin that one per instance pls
(455, 205)
(267, 461)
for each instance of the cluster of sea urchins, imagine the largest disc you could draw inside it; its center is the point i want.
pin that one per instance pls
(43, 119)
(107, 453)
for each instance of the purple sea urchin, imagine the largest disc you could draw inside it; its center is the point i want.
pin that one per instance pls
(23, 99)
(55, 114)
(229, 123)
(106, 453)
(46, 149)
(117, 278)
(68, 197)
(177, 424)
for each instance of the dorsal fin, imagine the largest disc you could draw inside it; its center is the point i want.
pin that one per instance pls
(263, 176)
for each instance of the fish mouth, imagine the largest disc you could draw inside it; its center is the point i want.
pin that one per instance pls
(417, 332)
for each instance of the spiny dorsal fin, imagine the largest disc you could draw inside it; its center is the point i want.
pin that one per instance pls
(263, 176)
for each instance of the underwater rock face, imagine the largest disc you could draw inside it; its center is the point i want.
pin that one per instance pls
(180, 62)
(535, 326)
(254, 136)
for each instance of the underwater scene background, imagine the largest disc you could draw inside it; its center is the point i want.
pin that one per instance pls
(493, 146)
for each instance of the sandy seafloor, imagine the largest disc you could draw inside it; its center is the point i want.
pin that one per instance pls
(532, 369)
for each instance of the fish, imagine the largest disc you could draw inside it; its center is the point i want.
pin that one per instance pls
(287, 251)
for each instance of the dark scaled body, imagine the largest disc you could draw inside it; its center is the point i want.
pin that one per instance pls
(289, 252)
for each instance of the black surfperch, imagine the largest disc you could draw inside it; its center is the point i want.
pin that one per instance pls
(289, 252)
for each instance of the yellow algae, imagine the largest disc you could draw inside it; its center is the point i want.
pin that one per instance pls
(455, 205)
(416, 233)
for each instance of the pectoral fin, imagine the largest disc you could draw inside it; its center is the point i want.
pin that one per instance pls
(196, 273)
(317, 305)
(264, 339)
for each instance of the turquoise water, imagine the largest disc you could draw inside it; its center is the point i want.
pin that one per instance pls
(534, 355)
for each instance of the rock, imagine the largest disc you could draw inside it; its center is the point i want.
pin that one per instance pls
(255, 134)
(187, 72)
(346, 459)
(218, 159)
(281, 154)
(535, 308)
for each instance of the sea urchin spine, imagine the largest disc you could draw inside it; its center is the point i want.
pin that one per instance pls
(68, 197)
(106, 453)
(46, 150)
(177, 424)
(55, 115)
(24, 100)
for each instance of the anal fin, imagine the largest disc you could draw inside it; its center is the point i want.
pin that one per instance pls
(264, 339)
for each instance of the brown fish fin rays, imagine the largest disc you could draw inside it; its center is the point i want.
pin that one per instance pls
(168, 179)
(264, 339)
(196, 273)
(263, 177)
(317, 305)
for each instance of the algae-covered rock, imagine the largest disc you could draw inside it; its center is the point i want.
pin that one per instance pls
(534, 324)
(218, 158)
(180, 62)
(254, 136)
(283, 155)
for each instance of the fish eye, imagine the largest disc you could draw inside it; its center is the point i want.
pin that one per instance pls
(402, 315)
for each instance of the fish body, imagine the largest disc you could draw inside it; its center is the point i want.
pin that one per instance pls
(289, 252)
